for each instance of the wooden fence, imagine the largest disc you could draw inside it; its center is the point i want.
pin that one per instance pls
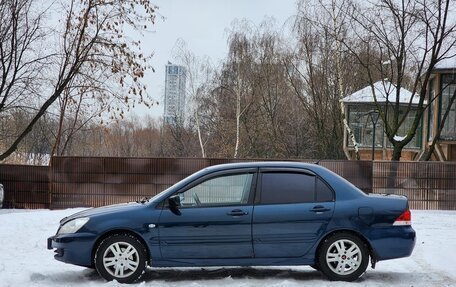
(25, 186)
(428, 185)
(91, 181)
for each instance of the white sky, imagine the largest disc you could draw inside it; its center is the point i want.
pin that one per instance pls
(203, 25)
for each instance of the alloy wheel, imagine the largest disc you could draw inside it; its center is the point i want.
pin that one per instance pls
(344, 257)
(121, 259)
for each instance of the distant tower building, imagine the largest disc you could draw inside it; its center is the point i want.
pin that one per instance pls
(174, 93)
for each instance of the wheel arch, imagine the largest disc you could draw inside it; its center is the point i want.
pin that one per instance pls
(119, 231)
(358, 234)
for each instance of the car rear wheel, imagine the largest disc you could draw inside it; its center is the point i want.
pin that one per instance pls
(343, 257)
(121, 257)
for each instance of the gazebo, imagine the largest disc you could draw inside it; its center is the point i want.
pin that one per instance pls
(441, 88)
(360, 110)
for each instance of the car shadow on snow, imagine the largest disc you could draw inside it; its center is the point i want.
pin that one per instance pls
(175, 275)
(186, 274)
(66, 277)
(233, 272)
(202, 274)
(411, 278)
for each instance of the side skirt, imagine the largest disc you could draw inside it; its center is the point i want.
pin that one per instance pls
(232, 262)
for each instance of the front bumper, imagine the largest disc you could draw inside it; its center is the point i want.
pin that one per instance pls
(73, 248)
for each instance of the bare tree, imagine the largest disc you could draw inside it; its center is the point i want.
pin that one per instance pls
(198, 77)
(401, 41)
(239, 88)
(254, 107)
(410, 37)
(20, 61)
(338, 26)
(75, 112)
(93, 56)
(270, 89)
(317, 70)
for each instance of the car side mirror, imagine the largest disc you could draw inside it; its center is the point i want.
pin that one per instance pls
(174, 203)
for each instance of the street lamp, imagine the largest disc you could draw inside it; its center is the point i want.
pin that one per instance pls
(373, 115)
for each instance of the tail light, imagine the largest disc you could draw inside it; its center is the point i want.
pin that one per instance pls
(404, 219)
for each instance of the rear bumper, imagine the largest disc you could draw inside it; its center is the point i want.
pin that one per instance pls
(393, 242)
(73, 248)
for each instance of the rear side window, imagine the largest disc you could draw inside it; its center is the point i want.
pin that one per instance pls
(324, 192)
(284, 187)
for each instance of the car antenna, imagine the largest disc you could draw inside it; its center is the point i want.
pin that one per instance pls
(317, 162)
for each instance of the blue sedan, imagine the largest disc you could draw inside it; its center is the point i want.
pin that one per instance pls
(244, 214)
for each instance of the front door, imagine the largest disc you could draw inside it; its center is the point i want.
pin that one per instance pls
(213, 221)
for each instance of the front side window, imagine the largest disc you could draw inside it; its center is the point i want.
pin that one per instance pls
(219, 191)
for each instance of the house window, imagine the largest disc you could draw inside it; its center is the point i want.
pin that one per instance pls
(448, 88)
(362, 128)
(431, 100)
(406, 125)
(361, 125)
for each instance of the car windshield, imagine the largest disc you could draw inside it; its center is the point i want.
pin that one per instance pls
(162, 195)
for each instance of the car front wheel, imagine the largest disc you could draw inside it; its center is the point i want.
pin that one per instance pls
(121, 257)
(343, 257)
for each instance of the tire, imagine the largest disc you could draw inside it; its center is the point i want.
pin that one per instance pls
(121, 257)
(343, 257)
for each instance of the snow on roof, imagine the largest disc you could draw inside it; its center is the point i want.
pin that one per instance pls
(383, 89)
(445, 64)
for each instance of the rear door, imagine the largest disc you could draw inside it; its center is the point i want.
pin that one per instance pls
(214, 221)
(292, 209)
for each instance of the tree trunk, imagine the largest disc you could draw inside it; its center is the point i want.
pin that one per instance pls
(397, 151)
(350, 133)
(238, 118)
(200, 138)
(40, 113)
(340, 81)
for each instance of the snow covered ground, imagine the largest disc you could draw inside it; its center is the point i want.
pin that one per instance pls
(25, 261)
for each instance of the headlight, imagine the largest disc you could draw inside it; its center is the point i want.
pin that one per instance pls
(73, 225)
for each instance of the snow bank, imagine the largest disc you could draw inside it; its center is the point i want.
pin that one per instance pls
(25, 261)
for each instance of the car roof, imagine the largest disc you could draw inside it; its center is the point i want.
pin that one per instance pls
(264, 164)
(347, 189)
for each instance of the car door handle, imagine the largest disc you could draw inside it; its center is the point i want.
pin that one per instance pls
(319, 208)
(237, 212)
